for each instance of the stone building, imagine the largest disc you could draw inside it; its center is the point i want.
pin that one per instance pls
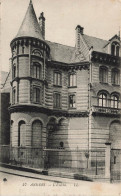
(64, 97)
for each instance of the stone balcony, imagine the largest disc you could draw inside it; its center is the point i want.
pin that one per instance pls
(108, 111)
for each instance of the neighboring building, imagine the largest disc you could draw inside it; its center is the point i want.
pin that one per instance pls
(62, 96)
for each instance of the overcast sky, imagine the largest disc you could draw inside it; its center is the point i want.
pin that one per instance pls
(100, 18)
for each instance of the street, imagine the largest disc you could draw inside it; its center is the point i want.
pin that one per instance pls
(12, 184)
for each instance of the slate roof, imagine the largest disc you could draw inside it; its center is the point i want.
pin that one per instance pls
(30, 26)
(97, 43)
(60, 53)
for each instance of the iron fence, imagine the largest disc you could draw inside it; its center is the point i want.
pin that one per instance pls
(76, 161)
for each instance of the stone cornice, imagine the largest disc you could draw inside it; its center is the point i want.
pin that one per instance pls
(49, 112)
(30, 41)
(105, 58)
(66, 66)
(17, 79)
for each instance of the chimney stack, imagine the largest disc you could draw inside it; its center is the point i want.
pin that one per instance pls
(42, 24)
(79, 30)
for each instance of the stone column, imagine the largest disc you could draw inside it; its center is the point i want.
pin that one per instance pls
(107, 160)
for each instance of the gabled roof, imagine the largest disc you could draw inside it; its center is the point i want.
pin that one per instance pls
(97, 43)
(30, 26)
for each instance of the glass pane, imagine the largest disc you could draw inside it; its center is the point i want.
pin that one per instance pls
(74, 80)
(38, 72)
(37, 94)
(59, 79)
(34, 71)
(70, 80)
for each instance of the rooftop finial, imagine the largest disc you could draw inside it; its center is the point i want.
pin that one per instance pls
(30, 1)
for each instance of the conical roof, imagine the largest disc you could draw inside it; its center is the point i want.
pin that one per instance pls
(30, 26)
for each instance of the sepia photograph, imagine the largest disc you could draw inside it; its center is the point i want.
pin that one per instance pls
(60, 98)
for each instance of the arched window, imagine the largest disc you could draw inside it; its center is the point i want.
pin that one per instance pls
(103, 74)
(114, 101)
(103, 100)
(115, 49)
(36, 133)
(72, 79)
(115, 76)
(22, 133)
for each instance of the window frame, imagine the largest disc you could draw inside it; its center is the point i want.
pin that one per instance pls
(55, 100)
(56, 78)
(114, 50)
(103, 74)
(14, 95)
(35, 98)
(103, 99)
(36, 70)
(114, 102)
(115, 73)
(72, 76)
(73, 95)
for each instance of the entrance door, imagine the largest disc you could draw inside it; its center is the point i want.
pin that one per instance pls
(115, 165)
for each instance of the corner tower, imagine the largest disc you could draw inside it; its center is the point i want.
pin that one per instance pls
(29, 55)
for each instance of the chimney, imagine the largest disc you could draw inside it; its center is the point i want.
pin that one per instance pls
(79, 30)
(42, 24)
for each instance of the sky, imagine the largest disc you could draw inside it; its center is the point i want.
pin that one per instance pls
(100, 18)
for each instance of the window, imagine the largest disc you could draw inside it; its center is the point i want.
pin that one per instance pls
(21, 133)
(14, 96)
(57, 100)
(61, 144)
(36, 95)
(72, 101)
(114, 101)
(115, 76)
(36, 71)
(57, 78)
(22, 49)
(72, 79)
(103, 100)
(14, 71)
(115, 49)
(103, 73)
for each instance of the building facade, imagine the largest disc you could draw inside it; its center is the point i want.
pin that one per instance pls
(64, 97)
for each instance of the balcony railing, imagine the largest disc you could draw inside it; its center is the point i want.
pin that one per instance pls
(106, 110)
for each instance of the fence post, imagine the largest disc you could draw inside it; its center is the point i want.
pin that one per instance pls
(107, 160)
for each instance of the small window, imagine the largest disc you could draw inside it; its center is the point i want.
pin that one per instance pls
(57, 78)
(14, 71)
(103, 100)
(115, 76)
(57, 100)
(36, 71)
(114, 159)
(103, 74)
(72, 101)
(72, 79)
(14, 96)
(114, 101)
(61, 144)
(36, 95)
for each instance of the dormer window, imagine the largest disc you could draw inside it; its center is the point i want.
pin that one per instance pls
(115, 49)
